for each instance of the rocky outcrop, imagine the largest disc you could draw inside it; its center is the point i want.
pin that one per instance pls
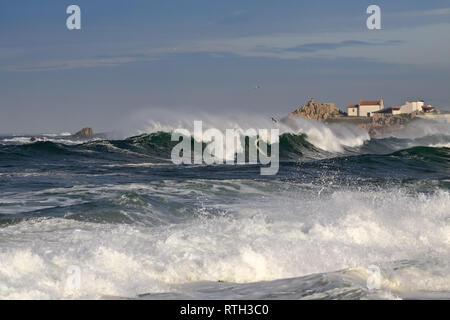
(376, 125)
(380, 124)
(85, 133)
(315, 110)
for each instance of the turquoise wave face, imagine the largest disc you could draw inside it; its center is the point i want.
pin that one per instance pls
(292, 146)
(148, 156)
(40, 165)
(137, 225)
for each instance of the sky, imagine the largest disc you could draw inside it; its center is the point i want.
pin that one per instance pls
(134, 58)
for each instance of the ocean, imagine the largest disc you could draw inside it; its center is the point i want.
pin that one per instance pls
(117, 219)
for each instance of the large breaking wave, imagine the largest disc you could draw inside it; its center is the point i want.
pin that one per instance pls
(138, 226)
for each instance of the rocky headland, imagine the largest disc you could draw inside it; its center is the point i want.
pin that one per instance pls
(376, 125)
(315, 110)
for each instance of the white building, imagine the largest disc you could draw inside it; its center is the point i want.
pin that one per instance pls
(412, 106)
(352, 110)
(427, 109)
(408, 107)
(365, 108)
(394, 110)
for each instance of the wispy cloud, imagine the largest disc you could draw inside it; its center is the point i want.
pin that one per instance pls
(318, 46)
(6, 53)
(435, 12)
(419, 45)
(239, 12)
(237, 16)
(423, 44)
(95, 62)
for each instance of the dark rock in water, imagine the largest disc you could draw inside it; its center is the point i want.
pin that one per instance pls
(84, 133)
(33, 139)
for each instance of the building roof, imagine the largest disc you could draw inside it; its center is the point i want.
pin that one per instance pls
(427, 107)
(396, 107)
(370, 102)
(352, 106)
(385, 110)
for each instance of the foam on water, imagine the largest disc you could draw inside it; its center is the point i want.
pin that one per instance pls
(440, 145)
(134, 226)
(332, 138)
(43, 138)
(262, 237)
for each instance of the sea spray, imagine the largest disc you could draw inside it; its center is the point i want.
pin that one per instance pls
(235, 147)
(127, 222)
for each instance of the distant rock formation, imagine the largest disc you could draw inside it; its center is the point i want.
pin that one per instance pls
(380, 124)
(85, 133)
(376, 125)
(315, 110)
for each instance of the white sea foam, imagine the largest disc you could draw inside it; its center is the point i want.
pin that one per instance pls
(62, 134)
(16, 140)
(56, 138)
(440, 145)
(262, 237)
(332, 138)
(422, 128)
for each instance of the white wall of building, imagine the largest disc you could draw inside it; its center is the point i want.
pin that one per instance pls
(352, 112)
(419, 105)
(411, 106)
(407, 108)
(368, 110)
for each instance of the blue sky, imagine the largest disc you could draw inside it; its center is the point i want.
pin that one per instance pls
(207, 57)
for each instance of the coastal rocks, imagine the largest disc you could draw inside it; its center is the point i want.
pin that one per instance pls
(376, 125)
(85, 133)
(315, 110)
(381, 124)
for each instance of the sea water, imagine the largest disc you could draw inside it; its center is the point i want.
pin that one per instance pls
(134, 225)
